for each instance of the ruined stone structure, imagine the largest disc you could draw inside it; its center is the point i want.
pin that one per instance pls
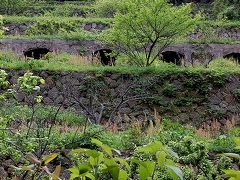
(20, 46)
(188, 54)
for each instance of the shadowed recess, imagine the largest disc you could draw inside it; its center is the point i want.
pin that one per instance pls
(172, 57)
(36, 53)
(234, 56)
(105, 56)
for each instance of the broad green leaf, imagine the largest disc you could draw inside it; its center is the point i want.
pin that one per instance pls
(47, 159)
(74, 173)
(107, 149)
(176, 170)
(110, 162)
(94, 161)
(114, 171)
(151, 148)
(233, 174)
(237, 141)
(90, 176)
(104, 147)
(89, 152)
(74, 170)
(123, 175)
(161, 157)
(84, 168)
(73, 176)
(93, 153)
(145, 169)
(123, 162)
(97, 142)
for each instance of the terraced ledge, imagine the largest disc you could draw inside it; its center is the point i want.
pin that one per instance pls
(17, 19)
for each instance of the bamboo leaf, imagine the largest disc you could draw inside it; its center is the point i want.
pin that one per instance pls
(47, 159)
(56, 173)
(33, 159)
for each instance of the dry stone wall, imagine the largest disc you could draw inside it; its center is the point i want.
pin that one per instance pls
(190, 98)
(21, 28)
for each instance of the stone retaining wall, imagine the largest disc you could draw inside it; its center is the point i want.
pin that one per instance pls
(21, 27)
(190, 98)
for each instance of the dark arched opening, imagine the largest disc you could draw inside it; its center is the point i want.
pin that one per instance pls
(172, 57)
(105, 56)
(179, 2)
(233, 56)
(36, 53)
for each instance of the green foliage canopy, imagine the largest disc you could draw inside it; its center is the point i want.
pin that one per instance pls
(146, 28)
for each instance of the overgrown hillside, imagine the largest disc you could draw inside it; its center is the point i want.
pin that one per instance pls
(120, 89)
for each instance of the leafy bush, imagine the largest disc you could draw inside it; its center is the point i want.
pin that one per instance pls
(146, 28)
(107, 163)
(234, 174)
(11, 7)
(107, 8)
(226, 9)
(223, 143)
(51, 27)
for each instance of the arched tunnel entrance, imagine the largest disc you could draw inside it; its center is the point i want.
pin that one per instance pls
(172, 57)
(105, 56)
(233, 56)
(36, 53)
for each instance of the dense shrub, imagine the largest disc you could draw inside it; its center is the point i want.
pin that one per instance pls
(226, 9)
(13, 7)
(107, 8)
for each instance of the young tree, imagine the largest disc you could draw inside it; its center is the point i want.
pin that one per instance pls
(147, 27)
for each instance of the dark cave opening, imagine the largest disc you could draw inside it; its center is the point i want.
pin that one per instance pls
(36, 53)
(172, 57)
(233, 56)
(105, 56)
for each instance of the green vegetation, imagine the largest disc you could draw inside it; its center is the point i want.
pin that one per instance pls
(75, 20)
(63, 62)
(84, 135)
(185, 149)
(69, 16)
(144, 33)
